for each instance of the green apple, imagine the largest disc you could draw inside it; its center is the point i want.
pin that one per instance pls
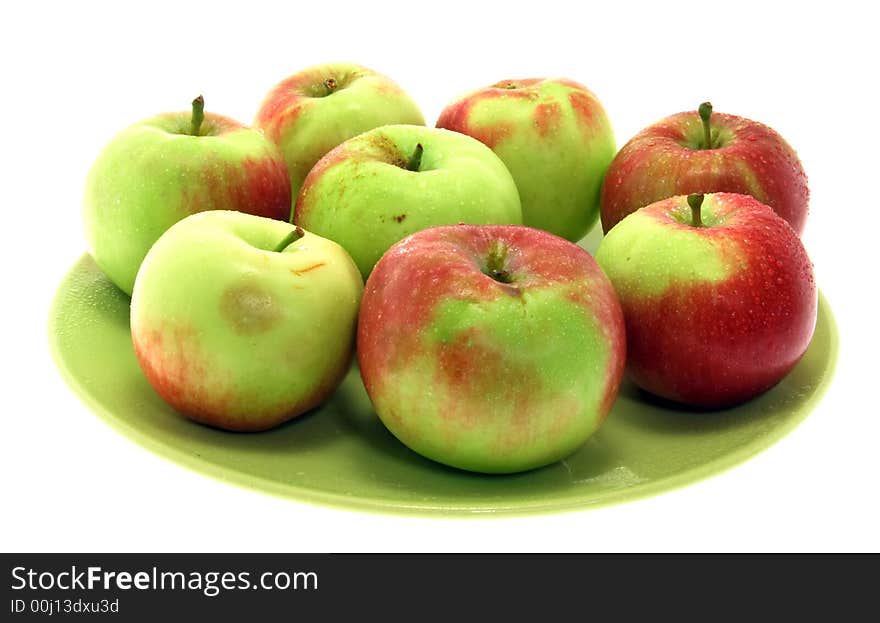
(314, 110)
(490, 348)
(165, 168)
(385, 184)
(242, 322)
(555, 138)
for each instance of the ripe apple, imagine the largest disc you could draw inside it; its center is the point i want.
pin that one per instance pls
(718, 295)
(387, 183)
(555, 138)
(314, 110)
(490, 348)
(702, 152)
(160, 170)
(242, 322)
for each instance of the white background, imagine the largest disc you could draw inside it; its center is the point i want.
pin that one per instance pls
(73, 75)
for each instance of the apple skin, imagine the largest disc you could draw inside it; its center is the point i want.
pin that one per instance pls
(665, 160)
(155, 173)
(236, 335)
(485, 375)
(362, 195)
(555, 138)
(715, 315)
(306, 122)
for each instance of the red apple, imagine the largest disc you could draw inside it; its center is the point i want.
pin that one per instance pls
(701, 152)
(490, 348)
(718, 295)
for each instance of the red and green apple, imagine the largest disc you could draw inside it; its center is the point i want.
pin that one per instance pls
(490, 348)
(718, 295)
(705, 152)
(158, 171)
(243, 322)
(555, 138)
(316, 109)
(385, 184)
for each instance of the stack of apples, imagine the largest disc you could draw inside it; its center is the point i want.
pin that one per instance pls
(486, 338)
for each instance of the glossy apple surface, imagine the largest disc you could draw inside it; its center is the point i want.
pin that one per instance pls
(157, 172)
(672, 157)
(369, 192)
(555, 138)
(316, 109)
(490, 348)
(715, 314)
(234, 334)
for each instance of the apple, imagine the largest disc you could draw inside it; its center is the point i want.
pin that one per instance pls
(490, 348)
(555, 138)
(718, 295)
(242, 322)
(385, 184)
(702, 152)
(316, 109)
(164, 168)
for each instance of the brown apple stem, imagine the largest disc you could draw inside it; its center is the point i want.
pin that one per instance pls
(696, 203)
(330, 84)
(415, 161)
(705, 113)
(293, 236)
(198, 115)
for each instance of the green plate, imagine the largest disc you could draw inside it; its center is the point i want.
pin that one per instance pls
(341, 455)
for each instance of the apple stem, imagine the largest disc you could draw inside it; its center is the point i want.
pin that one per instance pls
(293, 236)
(695, 201)
(705, 113)
(497, 261)
(198, 115)
(330, 84)
(415, 160)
